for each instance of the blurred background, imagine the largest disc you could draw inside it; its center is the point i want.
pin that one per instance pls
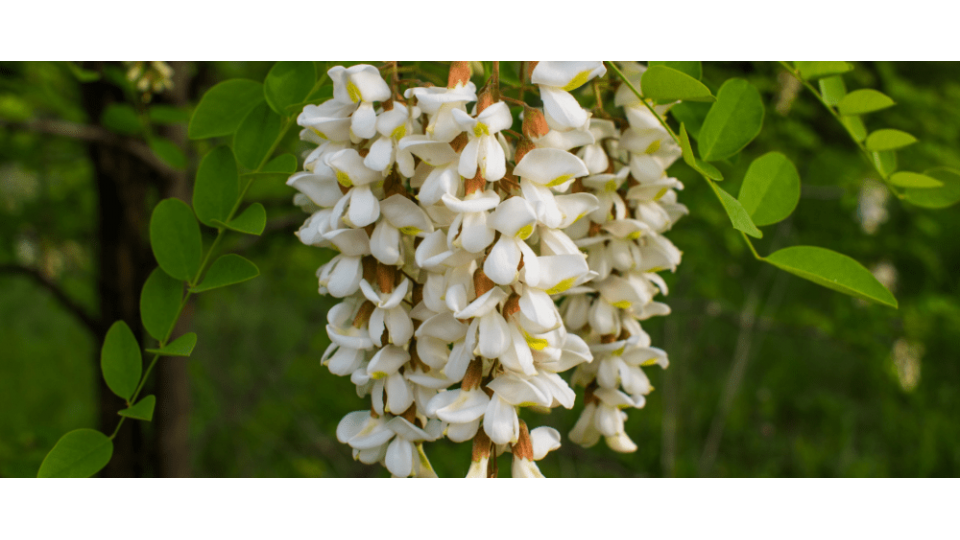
(769, 375)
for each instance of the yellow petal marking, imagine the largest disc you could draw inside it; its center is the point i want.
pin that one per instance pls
(353, 92)
(634, 235)
(660, 194)
(622, 304)
(410, 231)
(399, 133)
(480, 130)
(559, 180)
(654, 146)
(524, 232)
(378, 374)
(562, 286)
(578, 81)
(535, 343)
(612, 185)
(649, 362)
(344, 179)
(319, 133)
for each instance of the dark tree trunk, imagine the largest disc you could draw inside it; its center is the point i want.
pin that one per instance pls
(172, 418)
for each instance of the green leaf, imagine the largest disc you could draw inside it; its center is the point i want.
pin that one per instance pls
(889, 139)
(223, 107)
(167, 114)
(322, 94)
(691, 68)
(182, 346)
(941, 197)
(914, 180)
(288, 83)
(833, 89)
(733, 121)
(255, 136)
(168, 152)
(863, 102)
(227, 270)
(141, 410)
(175, 239)
(160, 303)
(251, 221)
(120, 360)
(80, 453)
(886, 162)
(694, 162)
(217, 187)
(284, 163)
(771, 189)
(662, 83)
(738, 215)
(832, 270)
(855, 127)
(121, 118)
(692, 114)
(817, 70)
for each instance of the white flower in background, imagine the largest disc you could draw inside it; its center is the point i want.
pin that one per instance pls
(556, 80)
(359, 86)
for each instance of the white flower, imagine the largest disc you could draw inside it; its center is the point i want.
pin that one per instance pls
(360, 85)
(393, 126)
(440, 103)
(364, 208)
(389, 314)
(556, 81)
(484, 149)
(400, 215)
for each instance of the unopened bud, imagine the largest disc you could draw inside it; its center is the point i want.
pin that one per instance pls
(363, 152)
(511, 306)
(459, 142)
(523, 147)
(410, 415)
(608, 338)
(475, 184)
(459, 74)
(484, 100)
(523, 449)
(534, 123)
(370, 269)
(363, 314)
(481, 283)
(386, 274)
(474, 375)
(481, 446)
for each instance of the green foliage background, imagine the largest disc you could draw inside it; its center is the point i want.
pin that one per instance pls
(820, 394)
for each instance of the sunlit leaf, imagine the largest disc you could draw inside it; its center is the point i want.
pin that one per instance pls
(691, 68)
(939, 197)
(771, 189)
(864, 101)
(739, 217)
(832, 270)
(663, 83)
(733, 121)
(251, 221)
(889, 139)
(817, 70)
(914, 180)
(255, 136)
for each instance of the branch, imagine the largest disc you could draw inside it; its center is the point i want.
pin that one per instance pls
(95, 134)
(70, 304)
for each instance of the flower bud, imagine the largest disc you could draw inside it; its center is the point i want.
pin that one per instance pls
(523, 449)
(481, 283)
(534, 123)
(363, 314)
(484, 99)
(525, 146)
(386, 275)
(459, 74)
(474, 375)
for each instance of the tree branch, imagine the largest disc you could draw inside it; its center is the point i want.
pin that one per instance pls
(70, 304)
(95, 134)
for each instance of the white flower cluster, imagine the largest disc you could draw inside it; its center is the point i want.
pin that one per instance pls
(455, 247)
